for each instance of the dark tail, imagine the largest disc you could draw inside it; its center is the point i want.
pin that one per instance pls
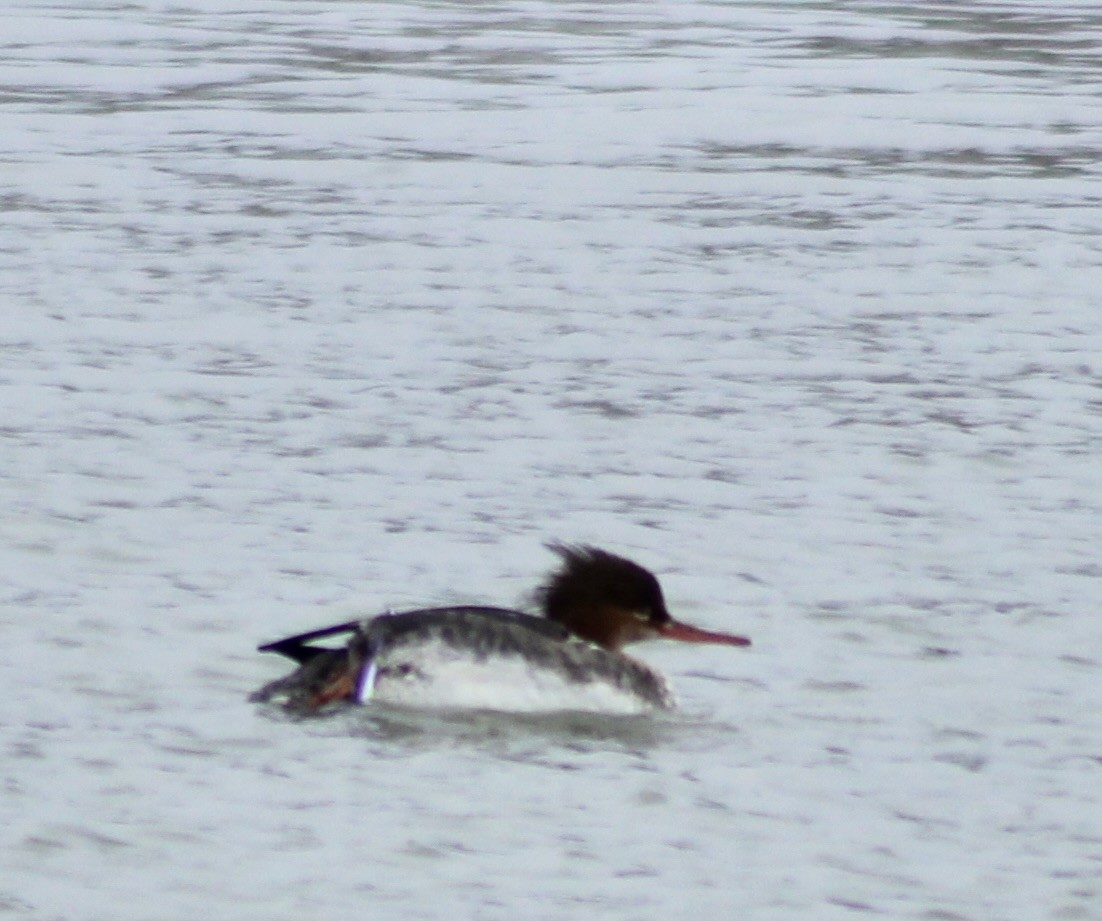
(298, 648)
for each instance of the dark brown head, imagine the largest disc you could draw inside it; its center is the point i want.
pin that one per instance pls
(612, 601)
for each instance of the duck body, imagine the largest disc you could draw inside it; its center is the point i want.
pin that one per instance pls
(480, 658)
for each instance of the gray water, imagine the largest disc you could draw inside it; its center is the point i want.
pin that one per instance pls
(311, 309)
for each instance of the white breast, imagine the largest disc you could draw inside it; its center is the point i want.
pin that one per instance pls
(436, 674)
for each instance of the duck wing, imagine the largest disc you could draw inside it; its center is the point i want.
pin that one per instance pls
(298, 648)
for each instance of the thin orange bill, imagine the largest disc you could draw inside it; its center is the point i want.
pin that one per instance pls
(687, 633)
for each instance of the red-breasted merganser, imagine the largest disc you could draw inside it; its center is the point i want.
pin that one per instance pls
(490, 658)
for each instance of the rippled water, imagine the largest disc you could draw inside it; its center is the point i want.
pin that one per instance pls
(320, 307)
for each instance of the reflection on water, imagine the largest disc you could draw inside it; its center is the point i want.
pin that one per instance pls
(501, 733)
(307, 307)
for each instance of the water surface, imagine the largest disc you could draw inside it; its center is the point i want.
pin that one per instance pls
(316, 308)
